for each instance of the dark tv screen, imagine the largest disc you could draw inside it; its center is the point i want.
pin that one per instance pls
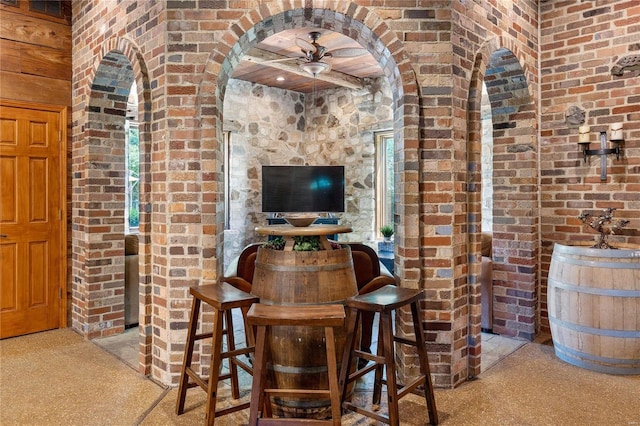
(302, 189)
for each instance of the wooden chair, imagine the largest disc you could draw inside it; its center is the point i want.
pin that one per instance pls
(264, 316)
(223, 298)
(384, 302)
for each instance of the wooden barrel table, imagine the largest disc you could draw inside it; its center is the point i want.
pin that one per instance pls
(593, 299)
(286, 277)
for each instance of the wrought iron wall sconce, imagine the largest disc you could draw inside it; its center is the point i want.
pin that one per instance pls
(615, 137)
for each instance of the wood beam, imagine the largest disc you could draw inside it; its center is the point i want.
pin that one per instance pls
(273, 60)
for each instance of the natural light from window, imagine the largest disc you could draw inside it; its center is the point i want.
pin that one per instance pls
(384, 180)
(132, 164)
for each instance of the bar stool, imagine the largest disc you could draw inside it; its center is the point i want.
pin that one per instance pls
(223, 298)
(384, 301)
(263, 316)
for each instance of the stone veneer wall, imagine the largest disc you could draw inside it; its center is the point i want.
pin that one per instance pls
(581, 42)
(331, 127)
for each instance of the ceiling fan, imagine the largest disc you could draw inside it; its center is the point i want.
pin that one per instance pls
(314, 54)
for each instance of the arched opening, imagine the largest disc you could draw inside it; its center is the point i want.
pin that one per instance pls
(100, 299)
(502, 184)
(329, 126)
(403, 88)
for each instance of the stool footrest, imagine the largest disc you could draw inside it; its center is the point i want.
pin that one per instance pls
(350, 406)
(359, 373)
(404, 341)
(196, 379)
(267, 421)
(233, 409)
(297, 392)
(409, 388)
(237, 352)
(201, 336)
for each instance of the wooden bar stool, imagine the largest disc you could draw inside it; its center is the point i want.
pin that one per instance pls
(223, 298)
(263, 316)
(384, 301)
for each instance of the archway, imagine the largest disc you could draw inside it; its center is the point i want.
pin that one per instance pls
(99, 181)
(514, 247)
(388, 51)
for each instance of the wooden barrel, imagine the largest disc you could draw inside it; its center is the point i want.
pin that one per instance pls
(298, 354)
(593, 299)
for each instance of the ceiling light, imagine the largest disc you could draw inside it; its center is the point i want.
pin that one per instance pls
(314, 68)
(280, 78)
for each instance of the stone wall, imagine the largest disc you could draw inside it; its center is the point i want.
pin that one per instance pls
(331, 127)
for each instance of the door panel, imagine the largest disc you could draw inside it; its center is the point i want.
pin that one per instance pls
(30, 220)
(9, 253)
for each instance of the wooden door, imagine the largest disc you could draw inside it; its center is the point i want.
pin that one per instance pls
(31, 225)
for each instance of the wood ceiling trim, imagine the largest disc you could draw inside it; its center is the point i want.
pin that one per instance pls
(275, 61)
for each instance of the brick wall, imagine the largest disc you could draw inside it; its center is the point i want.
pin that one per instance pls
(104, 66)
(581, 42)
(436, 58)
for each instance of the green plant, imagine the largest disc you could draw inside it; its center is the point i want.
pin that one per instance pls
(386, 231)
(276, 243)
(301, 243)
(311, 243)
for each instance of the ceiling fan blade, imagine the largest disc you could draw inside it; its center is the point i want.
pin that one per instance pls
(347, 52)
(282, 60)
(305, 45)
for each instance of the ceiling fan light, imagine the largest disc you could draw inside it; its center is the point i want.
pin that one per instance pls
(314, 68)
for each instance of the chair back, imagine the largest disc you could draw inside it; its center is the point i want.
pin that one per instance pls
(366, 263)
(247, 262)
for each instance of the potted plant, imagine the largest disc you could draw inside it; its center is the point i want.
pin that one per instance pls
(386, 246)
(387, 232)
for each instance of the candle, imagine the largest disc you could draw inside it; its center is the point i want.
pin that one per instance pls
(616, 132)
(584, 134)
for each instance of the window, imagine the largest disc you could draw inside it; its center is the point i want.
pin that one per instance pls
(132, 164)
(132, 191)
(384, 180)
(49, 7)
(226, 167)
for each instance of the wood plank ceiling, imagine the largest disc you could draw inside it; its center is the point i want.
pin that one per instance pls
(264, 64)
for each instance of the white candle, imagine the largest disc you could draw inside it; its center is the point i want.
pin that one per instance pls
(616, 131)
(584, 134)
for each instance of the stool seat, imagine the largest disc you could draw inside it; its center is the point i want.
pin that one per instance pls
(385, 299)
(309, 315)
(383, 302)
(264, 316)
(223, 298)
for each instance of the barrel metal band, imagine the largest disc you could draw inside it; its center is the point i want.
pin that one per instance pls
(594, 290)
(279, 368)
(596, 264)
(580, 359)
(596, 252)
(628, 334)
(304, 268)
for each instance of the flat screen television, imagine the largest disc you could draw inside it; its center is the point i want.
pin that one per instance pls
(302, 189)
